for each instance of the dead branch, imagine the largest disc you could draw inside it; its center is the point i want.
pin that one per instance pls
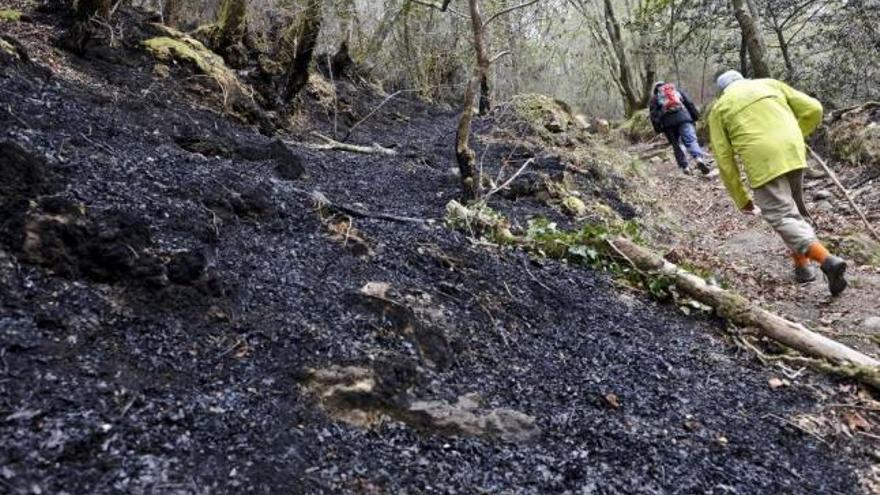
(324, 203)
(845, 192)
(498, 56)
(332, 144)
(379, 106)
(511, 179)
(508, 10)
(442, 8)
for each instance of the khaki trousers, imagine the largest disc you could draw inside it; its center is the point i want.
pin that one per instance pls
(782, 205)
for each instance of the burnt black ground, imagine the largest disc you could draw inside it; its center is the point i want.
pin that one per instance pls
(134, 384)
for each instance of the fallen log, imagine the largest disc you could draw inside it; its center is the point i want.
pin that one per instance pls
(741, 311)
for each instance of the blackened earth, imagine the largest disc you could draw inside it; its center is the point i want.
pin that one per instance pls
(156, 338)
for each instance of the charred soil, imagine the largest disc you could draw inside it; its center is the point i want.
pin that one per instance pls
(176, 316)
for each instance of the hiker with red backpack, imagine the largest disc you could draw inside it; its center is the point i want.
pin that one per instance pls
(673, 114)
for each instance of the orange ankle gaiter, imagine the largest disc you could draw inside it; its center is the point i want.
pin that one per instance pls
(800, 260)
(817, 252)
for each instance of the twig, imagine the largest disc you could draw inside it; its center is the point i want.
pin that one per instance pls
(99, 145)
(323, 202)
(16, 117)
(526, 267)
(386, 100)
(501, 12)
(625, 257)
(799, 427)
(512, 177)
(498, 56)
(845, 192)
(332, 144)
(442, 8)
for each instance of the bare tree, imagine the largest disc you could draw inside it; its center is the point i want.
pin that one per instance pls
(632, 71)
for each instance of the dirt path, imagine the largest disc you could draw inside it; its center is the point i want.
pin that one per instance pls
(744, 252)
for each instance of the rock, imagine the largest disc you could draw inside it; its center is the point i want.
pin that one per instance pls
(822, 194)
(814, 173)
(459, 419)
(365, 397)
(580, 120)
(872, 324)
(824, 205)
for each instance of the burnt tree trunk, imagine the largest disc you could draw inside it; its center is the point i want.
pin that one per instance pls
(754, 41)
(470, 185)
(88, 16)
(308, 30)
(231, 24)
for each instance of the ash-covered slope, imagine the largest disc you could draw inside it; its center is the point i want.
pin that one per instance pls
(177, 317)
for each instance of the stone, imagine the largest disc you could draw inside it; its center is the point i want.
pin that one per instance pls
(367, 397)
(814, 173)
(822, 194)
(824, 205)
(872, 324)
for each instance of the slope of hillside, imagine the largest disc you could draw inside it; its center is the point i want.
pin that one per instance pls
(179, 315)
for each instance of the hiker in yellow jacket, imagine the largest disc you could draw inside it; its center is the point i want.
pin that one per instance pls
(764, 122)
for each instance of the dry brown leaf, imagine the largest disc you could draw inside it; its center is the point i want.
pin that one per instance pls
(612, 400)
(855, 421)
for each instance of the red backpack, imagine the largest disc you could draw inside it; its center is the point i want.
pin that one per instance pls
(669, 98)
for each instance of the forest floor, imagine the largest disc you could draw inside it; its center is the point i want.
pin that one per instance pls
(743, 252)
(177, 316)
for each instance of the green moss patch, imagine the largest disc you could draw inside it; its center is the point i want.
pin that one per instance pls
(10, 15)
(544, 114)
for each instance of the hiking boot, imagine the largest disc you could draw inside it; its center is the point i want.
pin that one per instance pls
(804, 274)
(703, 166)
(686, 171)
(834, 269)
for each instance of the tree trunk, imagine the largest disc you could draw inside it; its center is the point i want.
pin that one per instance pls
(171, 13)
(231, 24)
(786, 56)
(743, 56)
(470, 186)
(309, 28)
(628, 84)
(479, 31)
(753, 38)
(84, 26)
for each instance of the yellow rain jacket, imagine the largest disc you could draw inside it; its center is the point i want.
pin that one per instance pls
(764, 121)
